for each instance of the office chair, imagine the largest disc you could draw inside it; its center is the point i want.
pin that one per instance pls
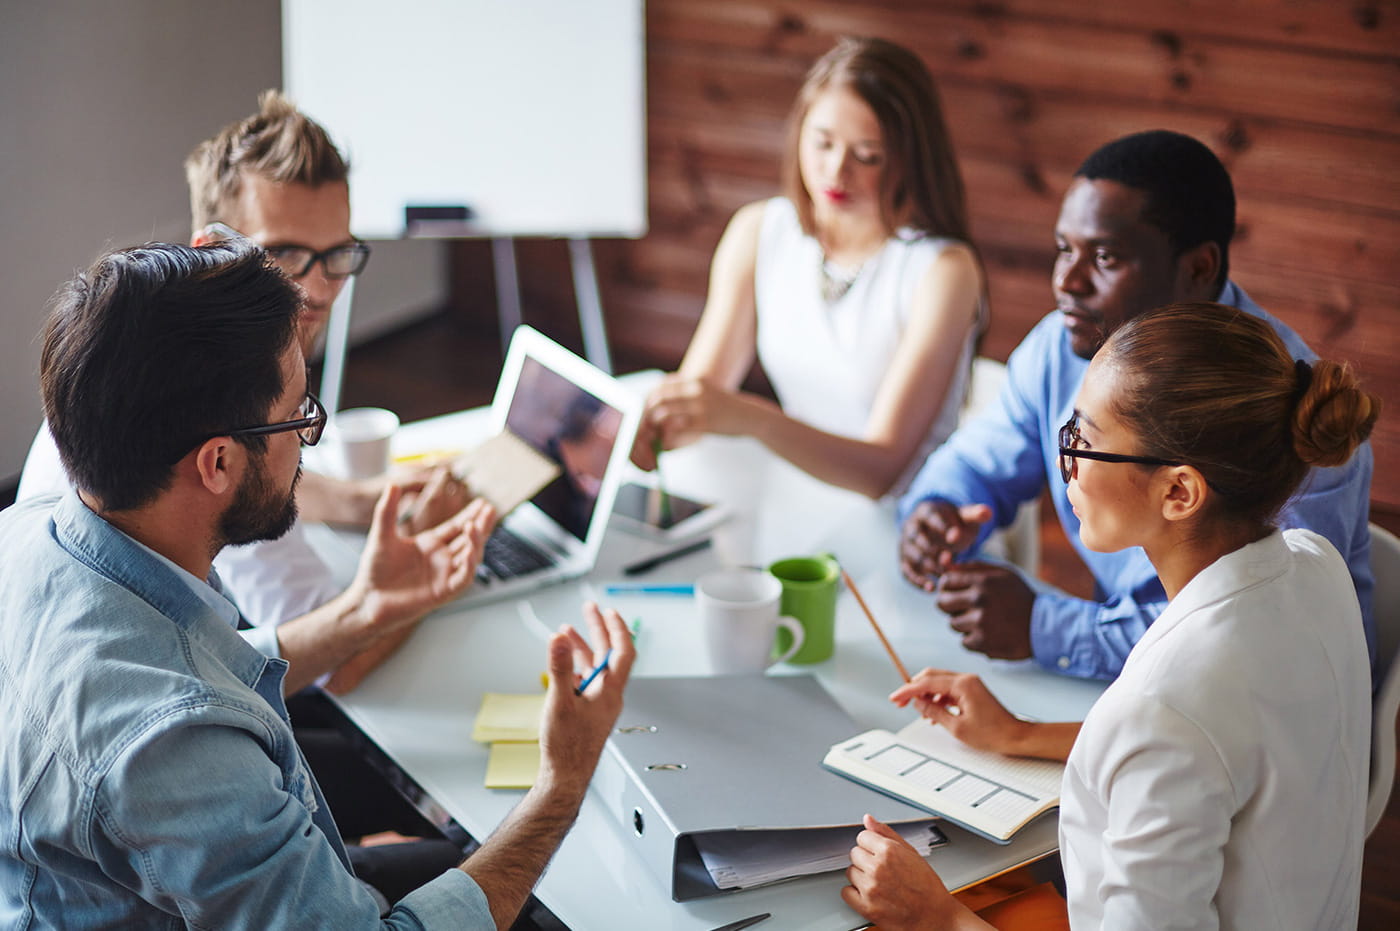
(1385, 703)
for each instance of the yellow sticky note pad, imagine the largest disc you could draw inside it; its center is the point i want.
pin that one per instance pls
(508, 717)
(428, 457)
(513, 765)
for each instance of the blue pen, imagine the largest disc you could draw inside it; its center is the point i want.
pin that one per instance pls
(597, 670)
(684, 590)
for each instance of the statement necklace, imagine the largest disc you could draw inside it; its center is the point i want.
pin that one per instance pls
(834, 282)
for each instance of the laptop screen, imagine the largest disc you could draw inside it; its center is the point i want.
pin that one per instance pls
(575, 429)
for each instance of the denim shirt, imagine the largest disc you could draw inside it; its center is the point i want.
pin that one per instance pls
(1008, 454)
(148, 774)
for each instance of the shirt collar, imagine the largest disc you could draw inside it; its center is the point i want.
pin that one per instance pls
(1232, 573)
(208, 591)
(186, 601)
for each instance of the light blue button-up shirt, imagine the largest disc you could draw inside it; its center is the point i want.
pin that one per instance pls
(148, 774)
(1008, 454)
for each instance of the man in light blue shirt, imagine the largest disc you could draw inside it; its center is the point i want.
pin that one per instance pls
(1147, 222)
(148, 773)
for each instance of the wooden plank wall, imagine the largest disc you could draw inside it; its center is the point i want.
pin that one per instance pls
(1300, 98)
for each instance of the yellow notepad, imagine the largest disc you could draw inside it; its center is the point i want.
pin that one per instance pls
(508, 717)
(513, 765)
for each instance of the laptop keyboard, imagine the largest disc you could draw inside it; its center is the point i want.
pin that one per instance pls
(508, 555)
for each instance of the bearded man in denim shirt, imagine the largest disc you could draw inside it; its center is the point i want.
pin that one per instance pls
(148, 774)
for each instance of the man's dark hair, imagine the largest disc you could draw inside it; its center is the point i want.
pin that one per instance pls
(1189, 194)
(152, 350)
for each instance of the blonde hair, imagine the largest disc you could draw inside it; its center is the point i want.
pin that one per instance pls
(1216, 388)
(920, 186)
(278, 143)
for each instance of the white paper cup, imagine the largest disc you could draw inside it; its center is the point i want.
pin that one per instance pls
(360, 438)
(739, 616)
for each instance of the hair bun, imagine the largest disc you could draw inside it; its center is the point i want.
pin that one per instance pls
(1334, 415)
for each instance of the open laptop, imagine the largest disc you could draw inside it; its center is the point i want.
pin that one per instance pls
(584, 421)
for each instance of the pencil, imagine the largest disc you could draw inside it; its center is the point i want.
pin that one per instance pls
(904, 673)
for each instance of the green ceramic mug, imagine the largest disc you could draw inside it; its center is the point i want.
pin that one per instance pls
(810, 586)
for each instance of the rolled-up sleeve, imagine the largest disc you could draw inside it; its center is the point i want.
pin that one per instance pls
(264, 640)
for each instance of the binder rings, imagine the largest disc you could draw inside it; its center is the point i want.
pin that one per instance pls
(712, 754)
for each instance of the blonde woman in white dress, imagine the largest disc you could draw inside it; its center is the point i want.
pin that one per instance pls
(857, 290)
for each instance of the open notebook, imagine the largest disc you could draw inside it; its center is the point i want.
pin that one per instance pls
(986, 793)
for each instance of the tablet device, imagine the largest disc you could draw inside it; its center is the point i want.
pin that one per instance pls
(640, 509)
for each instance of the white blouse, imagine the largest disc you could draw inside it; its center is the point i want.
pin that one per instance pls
(1220, 781)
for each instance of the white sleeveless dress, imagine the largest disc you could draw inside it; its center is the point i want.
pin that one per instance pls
(826, 360)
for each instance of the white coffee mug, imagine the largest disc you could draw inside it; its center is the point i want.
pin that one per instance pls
(360, 439)
(739, 614)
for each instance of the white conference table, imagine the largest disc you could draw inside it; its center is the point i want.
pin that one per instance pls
(419, 706)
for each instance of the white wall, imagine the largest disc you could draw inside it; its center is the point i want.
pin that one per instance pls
(99, 104)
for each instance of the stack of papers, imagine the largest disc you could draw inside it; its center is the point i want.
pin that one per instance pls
(744, 859)
(511, 725)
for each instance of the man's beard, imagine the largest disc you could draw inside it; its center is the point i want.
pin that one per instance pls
(259, 511)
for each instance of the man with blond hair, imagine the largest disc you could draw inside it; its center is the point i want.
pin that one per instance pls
(277, 179)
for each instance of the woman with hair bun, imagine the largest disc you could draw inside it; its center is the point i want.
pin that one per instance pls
(1221, 779)
(857, 290)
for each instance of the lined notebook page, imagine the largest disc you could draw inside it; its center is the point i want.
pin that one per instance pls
(926, 765)
(922, 741)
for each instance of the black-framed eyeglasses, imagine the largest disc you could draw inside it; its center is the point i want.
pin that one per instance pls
(309, 424)
(296, 261)
(1070, 441)
(337, 261)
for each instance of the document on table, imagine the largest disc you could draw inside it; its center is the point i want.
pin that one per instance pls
(744, 859)
(988, 793)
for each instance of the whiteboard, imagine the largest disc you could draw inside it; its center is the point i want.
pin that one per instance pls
(532, 113)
